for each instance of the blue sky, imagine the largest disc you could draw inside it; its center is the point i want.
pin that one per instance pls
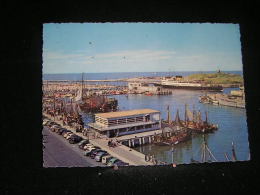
(140, 47)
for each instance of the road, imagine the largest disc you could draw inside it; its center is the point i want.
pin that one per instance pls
(58, 152)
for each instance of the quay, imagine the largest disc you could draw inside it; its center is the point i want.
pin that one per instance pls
(122, 152)
(236, 98)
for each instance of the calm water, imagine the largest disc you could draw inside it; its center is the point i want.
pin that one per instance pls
(119, 75)
(231, 121)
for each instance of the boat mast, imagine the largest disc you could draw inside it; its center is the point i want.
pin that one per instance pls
(185, 115)
(194, 117)
(203, 153)
(172, 155)
(206, 113)
(234, 156)
(168, 115)
(82, 83)
(226, 156)
(199, 117)
(177, 118)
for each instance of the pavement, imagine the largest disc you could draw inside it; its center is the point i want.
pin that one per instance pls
(122, 152)
(58, 152)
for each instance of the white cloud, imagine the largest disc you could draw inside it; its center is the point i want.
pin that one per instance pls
(138, 60)
(59, 56)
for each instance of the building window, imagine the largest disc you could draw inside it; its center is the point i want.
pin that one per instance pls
(139, 127)
(147, 118)
(148, 126)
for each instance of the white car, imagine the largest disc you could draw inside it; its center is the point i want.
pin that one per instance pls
(69, 135)
(105, 158)
(87, 146)
(44, 122)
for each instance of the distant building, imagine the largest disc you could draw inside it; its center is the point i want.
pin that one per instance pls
(144, 88)
(126, 122)
(239, 93)
(178, 77)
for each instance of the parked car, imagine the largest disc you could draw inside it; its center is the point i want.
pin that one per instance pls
(61, 130)
(54, 127)
(87, 146)
(74, 139)
(51, 124)
(83, 143)
(69, 135)
(87, 152)
(45, 121)
(56, 130)
(95, 150)
(64, 132)
(94, 153)
(106, 158)
(99, 155)
(121, 163)
(112, 161)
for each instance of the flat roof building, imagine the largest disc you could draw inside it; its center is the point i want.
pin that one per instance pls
(126, 122)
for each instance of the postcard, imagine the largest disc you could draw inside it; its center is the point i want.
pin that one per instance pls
(137, 94)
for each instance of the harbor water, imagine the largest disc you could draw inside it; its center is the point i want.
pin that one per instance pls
(231, 121)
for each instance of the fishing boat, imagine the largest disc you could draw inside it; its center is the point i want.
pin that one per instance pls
(194, 122)
(95, 103)
(177, 132)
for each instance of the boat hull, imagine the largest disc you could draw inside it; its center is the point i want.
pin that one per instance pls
(207, 88)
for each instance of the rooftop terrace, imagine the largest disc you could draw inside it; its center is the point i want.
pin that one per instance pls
(126, 113)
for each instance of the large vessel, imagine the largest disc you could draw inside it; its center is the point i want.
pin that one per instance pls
(175, 83)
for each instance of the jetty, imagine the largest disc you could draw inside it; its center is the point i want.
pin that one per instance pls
(234, 99)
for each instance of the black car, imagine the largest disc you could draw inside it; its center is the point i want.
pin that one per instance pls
(93, 153)
(60, 131)
(82, 143)
(50, 124)
(121, 163)
(89, 153)
(74, 139)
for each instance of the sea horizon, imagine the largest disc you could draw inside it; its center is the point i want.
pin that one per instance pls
(119, 75)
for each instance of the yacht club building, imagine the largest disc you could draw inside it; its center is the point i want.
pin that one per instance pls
(126, 122)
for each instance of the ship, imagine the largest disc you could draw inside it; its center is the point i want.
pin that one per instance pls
(175, 83)
(177, 132)
(96, 104)
(92, 103)
(177, 135)
(194, 122)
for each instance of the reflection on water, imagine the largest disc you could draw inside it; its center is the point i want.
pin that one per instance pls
(231, 122)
